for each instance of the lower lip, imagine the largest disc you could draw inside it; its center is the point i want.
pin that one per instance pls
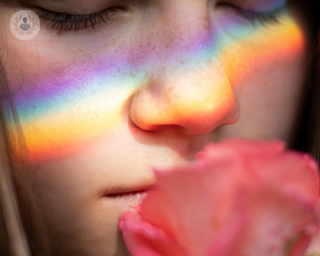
(131, 199)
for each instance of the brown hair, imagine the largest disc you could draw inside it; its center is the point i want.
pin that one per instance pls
(309, 136)
(22, 228)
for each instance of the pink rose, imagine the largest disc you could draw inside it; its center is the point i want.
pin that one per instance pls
(241, 198)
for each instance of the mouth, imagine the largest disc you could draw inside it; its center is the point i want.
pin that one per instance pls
(131, 198)
(128, 195)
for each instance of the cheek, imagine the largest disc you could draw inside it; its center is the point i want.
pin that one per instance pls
(267, 72)
(65, 102)
(267, 48)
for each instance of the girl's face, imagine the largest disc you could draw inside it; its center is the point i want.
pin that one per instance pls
(147, 88)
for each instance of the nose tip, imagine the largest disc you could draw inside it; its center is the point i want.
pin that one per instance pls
(197, 101)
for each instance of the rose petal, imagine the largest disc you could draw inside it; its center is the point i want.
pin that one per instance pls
(241, 197)
(142, 239)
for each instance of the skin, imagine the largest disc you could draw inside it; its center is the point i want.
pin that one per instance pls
(99, 108)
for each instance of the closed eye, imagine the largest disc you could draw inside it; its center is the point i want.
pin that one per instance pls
(68, 22)
(264, 18)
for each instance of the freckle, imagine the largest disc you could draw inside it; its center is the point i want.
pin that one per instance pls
(132, 74)
(34, 106)
(154, 47)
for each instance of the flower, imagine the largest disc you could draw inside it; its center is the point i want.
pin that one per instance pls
(241, 197)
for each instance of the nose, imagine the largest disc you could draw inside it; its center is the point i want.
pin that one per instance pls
(197, 101)
(197, 97)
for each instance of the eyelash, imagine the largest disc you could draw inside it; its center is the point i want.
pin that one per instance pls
(68, 22)
(264, 18)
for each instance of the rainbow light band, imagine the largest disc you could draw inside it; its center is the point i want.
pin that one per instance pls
(80, 104)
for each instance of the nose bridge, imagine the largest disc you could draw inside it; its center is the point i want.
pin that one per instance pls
(187, 29)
